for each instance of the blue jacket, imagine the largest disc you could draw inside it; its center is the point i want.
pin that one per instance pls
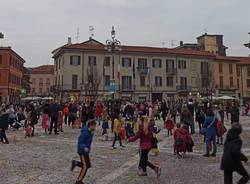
(84, 141)
(211, 130)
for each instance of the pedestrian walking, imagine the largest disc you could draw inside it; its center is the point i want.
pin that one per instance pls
(54, 108)
(232, 156)
(117, 131)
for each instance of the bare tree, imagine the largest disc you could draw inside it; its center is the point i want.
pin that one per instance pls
(93, 82)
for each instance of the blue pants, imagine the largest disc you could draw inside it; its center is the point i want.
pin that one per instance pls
(210, 139)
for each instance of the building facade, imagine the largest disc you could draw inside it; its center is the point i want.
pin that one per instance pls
(41, 80)
(11, 73)
(139, 73)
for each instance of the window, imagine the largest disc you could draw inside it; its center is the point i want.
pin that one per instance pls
(142, 63)
(156, 63)
(47, 82)
(238, 71)
(75, 60)
(231, 81)
(230, 68)
(62, 80)
(34, 81)
(204, 68)
(221, 82)
(142, 81)
(238, 83)
(170, 81)
(182, 64)
(40, 90)
(41, 82)
(248, 71)
(220, 68)
(92, 61)
(126, 62)
(107, 80)
(107, 61)
(74, 81)
(193, 65)
(126, 83)
(183, 83)
(248, 83)
(1, 59)
(158, 81)
(169, 66)
(59, 64)
(204, 82)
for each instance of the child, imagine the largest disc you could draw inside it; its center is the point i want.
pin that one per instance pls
(105, 126)
(129, 128)
(169, 124)
(83, 149)
(181, 140)
(60, 121)
(232, 156)
(155, 150)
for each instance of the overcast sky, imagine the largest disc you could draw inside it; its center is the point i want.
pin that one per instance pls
(35, 27)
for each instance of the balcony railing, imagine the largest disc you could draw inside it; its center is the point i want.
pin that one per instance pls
(143, 70)
(171, 71)
(181, 88)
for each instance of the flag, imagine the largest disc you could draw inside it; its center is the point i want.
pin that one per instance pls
(119, 70)
(134, 69)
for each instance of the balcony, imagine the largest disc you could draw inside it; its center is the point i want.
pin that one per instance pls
(183, 88)
(143, 70)
(171, 71)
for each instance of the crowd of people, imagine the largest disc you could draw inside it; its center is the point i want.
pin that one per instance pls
(131, 121)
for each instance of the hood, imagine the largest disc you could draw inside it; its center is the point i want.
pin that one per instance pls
(85, 129)
(232, 135)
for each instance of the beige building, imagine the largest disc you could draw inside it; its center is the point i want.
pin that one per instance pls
(41, 80)
(140, 73)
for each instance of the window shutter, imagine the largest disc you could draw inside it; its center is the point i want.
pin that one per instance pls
(79, 60)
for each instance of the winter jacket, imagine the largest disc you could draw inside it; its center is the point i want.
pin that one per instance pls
(84, 141)
(210, 125)
(54, 108)
(4, 123)
(145, 139)
(235, 115)
(232, 156)
(181, 135)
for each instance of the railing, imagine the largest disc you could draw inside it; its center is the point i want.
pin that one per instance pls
(143, 70)
(183, 88)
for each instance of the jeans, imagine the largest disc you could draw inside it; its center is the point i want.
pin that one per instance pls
(65, 119)
(144, 161)
(228, 176)
(208, 140)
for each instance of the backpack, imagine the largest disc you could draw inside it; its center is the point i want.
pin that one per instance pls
(179, 141)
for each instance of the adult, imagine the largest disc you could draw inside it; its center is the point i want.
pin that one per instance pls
(191, 108)
(145, 134)
(235, 113)
(4, 124)
(54, 109)
(164, 110)
(232, 156)
(210, 132)
(186, 117)
(117, 131)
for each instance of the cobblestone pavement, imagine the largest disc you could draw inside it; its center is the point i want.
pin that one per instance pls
(46, 160)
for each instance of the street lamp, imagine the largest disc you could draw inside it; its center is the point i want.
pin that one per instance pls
(113, 46)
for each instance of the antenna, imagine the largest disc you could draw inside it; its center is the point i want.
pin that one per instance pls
(77, 34)
(163, 44)
(205, 30)
(172, 43)
(91, 32)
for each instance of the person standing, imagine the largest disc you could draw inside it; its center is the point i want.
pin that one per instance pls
(235, 113)
(232, 156)
(83, 150)
(210, 132)
(4, 124)
(145, 134)
(54, 108)
(117, 131)
(66, 113)
(45, 118)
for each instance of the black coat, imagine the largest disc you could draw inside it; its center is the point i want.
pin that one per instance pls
(235, 115)
(4, 122)
(232, 156)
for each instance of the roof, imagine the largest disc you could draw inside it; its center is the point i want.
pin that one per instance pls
(13, 52)
(211, 35)
(243, 60)
(227, 58)
(98, 46)
(43, 69)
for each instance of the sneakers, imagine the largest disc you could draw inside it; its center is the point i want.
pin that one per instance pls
(213, 154)
(158, 172)
(113, 147)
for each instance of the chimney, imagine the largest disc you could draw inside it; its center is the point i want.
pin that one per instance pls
(69, 41)
(181, 43)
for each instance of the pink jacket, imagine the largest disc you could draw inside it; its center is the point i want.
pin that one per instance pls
(145, 139)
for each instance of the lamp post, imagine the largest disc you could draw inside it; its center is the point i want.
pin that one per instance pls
(113, 45)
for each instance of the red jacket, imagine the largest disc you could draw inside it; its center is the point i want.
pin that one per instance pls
(145, 139)
(184, 135)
